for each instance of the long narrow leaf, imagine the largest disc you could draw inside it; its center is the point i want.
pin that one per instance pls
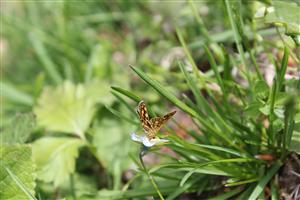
(45, 59)
(199, 75)
(213, 64)
(127, 94)
(263, 181)
(237, 39)
(121, 116)
(227, 195)
(15, 95)
(129, 107)
(283, 68)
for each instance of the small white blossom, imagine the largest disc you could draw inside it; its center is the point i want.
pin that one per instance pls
(145, 140)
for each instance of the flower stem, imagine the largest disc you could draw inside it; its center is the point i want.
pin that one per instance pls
(72, 186)
(149, 176)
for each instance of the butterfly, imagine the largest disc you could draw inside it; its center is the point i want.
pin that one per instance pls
(153, 125)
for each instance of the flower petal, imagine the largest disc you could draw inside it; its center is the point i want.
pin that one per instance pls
(158, 141)
(164, 140)
(136, 137)
(152, 142)
(148, 143)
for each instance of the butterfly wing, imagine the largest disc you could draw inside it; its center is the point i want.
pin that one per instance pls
(144, 116)
(158, 122)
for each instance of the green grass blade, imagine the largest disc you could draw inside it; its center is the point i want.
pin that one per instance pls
(201, 102)
(274, 191)
(186, 177)
(183, 188)
(264, 181)
(46, 61)
(191, 60)
(237, 39)
(121, 116)
(223, 149)
(227, 195)
(257, 68)
(133, 97)
(247, 192)
(160, 89)
(122, 101)
(272, 98)
(289, 123)
(228, 36)
(214, 66)
(127, 93)
(242, 182)
(283, 68)
(199, 20)
(13, 94)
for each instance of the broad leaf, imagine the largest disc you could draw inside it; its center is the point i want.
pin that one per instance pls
(69, 108)
(18, 160)
(55, 158)
(19, 129)
(113, 144)
(261, 89)
(286, 14)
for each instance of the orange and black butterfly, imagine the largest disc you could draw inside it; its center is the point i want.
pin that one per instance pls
(153, 125)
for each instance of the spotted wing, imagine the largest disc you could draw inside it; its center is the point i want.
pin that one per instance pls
(158, 122)
(144, 116)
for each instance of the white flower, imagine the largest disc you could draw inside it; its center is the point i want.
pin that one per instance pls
(146, 142)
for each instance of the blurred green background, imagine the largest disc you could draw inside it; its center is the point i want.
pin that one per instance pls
(62, 63)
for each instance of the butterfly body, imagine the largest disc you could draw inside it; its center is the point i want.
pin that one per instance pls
(153, 125)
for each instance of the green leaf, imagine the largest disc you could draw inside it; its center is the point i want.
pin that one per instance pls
(69, 108)
(15, 95)
(85, 184)
(283, 68)
(264, 180)
(274, 191)
(113, 146)
(168, 95)
(55, 158)
(295, 142)
(42, 53)
(286, 14)
(20, 184)
(120, 115)
(214, 66)
(227, 195)
(127, 93)
(17, 177)
(253, 109)
(101, 65)
(297, 117)
(186, 186)
(265, 109)
(261, 89)
(19, 129)
(278, 125)
(198, 74)
(98, 61)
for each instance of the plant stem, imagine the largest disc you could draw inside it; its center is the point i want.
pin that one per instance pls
(72, 186)
(150, 177)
